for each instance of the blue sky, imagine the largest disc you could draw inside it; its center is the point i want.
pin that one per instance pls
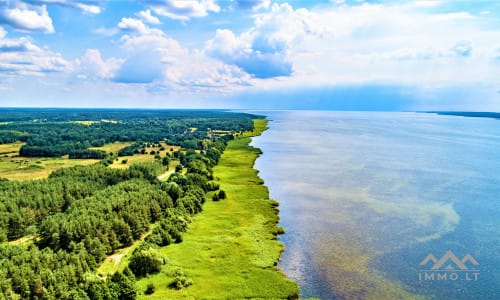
(257, 54)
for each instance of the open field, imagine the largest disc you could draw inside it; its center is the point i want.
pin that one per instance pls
(230, 249)
(112, 147)
(31, 168)
(141, 158)
(10, 149)
(14, 167)
(88, 123)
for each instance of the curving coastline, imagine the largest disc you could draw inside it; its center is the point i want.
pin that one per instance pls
(231, 249)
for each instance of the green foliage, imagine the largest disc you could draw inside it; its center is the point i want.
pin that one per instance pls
(80, 215)
(215, 197)
(59, 132)
(180, 280)
(229, 250)
(222, 195)
(150, 289)
(165, 160)
(123, 286)
(146, 261)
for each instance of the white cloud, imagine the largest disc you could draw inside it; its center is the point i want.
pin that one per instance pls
(91, 65)
(182, 10)
(20, 56)
(26, 17)
(17, 45)
(399, 44)
(106, 31)
(164, 65)
(131, 24)
(264, 49)
(146, 17)
(89, 7)
(195, 72)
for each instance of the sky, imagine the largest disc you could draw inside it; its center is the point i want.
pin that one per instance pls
(251, 54)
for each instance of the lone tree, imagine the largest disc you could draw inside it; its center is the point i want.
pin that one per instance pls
(146, 261)
(222, 195)
(166, 160)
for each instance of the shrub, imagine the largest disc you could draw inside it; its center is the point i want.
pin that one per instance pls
(145, 262)
(180, 280)
(150, 289)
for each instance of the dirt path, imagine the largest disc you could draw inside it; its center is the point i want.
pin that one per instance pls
(117, 258)
(166, 174)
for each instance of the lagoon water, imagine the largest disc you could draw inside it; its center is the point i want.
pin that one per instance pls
(365, 197)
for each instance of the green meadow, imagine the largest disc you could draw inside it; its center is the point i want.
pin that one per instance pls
(230, 249)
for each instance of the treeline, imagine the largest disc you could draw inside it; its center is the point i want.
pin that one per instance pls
(51, 133)
(11, 136)
(80, 215)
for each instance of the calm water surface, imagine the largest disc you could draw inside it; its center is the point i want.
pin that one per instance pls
(366, 197)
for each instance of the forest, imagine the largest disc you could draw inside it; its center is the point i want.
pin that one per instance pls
(72, 220)
(52, 133)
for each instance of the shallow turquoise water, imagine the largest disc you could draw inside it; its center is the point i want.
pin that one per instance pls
(366, 196)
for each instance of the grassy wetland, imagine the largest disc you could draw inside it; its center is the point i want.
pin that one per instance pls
(230, 249)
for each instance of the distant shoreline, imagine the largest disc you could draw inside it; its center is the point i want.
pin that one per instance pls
(472, 114)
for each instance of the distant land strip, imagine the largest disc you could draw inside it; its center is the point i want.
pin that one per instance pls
(474, 114)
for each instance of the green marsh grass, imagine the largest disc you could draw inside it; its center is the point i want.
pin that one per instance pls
(230, 250)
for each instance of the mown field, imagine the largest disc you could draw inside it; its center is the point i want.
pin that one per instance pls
(230, 250)
(14, 167)
(136, 158)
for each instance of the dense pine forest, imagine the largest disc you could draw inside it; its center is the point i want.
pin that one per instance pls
(55, 232)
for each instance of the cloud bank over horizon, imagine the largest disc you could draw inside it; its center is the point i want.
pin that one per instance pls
(366, 55)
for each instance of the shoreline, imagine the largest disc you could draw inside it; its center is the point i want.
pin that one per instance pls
(230, 249)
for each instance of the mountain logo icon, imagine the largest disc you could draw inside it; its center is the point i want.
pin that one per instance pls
(449, 262)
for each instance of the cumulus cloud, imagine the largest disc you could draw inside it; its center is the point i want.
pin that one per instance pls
(264, 49)
(20, 56)
(32, 15)
(196, 72)
(405, 44)
(133, 25)
(91, 65)
(25, 17)
(146, 17)
(17, 45)
(155, 59)
(238, 51)
(182, 10)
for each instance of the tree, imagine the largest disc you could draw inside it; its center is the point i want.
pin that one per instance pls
(165, 161)
(145, 262)
(150, 289)
(124, 286)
